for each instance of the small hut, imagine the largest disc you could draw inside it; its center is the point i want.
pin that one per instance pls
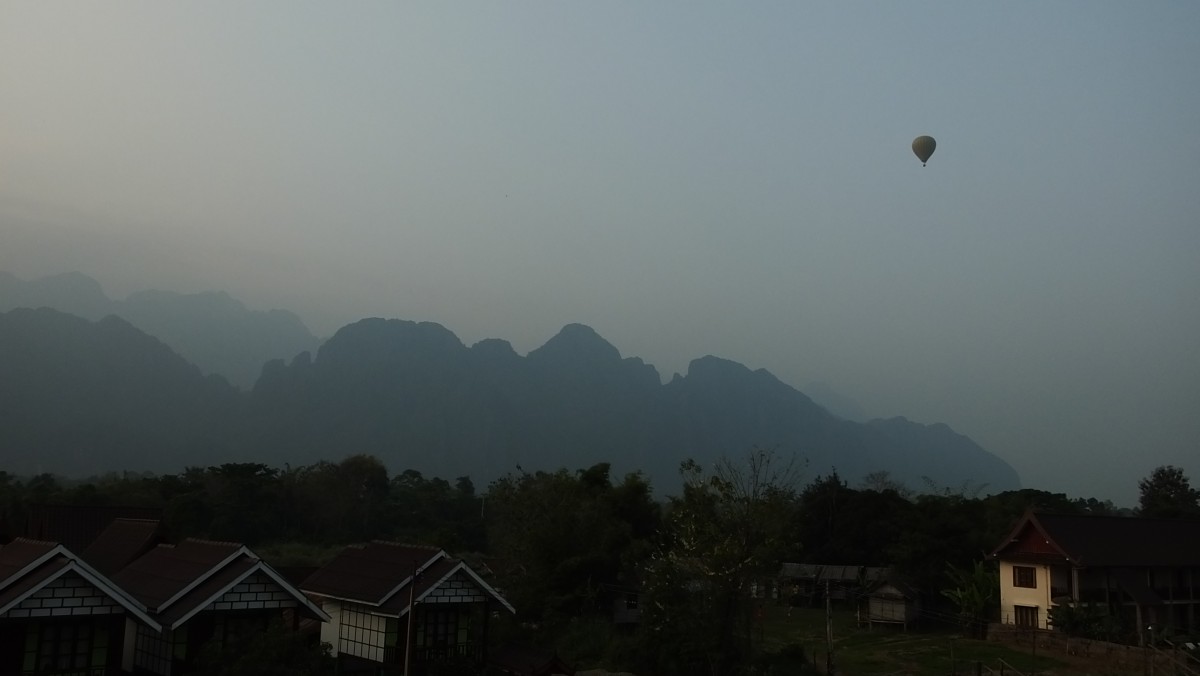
(889, 601)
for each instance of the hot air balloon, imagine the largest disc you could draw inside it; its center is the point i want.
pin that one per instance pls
(923, 147)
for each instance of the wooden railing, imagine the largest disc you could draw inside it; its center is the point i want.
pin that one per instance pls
(1002, 668)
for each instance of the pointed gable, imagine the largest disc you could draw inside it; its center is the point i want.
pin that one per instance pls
(161, 575)
(1090, 540)
(1030, 540)
(43, 579)
(178, 581)
(380, 574)
(371, 573)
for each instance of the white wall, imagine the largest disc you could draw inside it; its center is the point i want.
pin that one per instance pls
(1011, 596)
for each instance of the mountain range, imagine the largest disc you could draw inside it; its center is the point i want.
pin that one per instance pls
(212, 330)
(83, 396)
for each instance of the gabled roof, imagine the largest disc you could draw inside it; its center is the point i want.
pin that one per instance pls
(178, 581)
(77, 526)
(1090, 540)
(371, 573)
(121, 542)
(892, 586)
(380, 574)
(26, 566)
(840, 573)
(800, 570)
(163, 574)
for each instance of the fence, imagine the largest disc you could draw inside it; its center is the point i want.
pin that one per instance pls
(1130, 659)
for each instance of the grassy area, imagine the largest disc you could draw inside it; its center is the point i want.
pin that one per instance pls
(862, 652)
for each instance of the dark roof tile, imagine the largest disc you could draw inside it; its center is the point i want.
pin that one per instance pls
(163, 572)
(1091, 540)
(77, 526)
(369, 573)
(121, 542)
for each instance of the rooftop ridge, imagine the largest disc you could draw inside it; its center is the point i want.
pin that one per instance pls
(393, 543)
(222, 543)
(1114, 517)
(35, 541)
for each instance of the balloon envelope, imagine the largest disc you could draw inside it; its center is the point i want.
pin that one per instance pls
(923, 147)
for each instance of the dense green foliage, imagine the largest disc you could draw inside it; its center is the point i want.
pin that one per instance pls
(567, 541)
(564, 545)
(728, 528)
(1167, 493)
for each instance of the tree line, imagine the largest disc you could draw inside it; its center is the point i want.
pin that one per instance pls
(564, 544)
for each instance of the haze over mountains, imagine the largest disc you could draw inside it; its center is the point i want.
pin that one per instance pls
(98, 385)
(212, 330)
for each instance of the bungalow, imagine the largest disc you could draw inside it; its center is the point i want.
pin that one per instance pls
(200, 593)
(60, 615)
(1144, 572)
(384, 597)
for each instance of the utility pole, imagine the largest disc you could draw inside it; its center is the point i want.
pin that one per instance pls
(829, 668)
(412, 592)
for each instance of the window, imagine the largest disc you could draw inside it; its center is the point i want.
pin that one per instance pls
(1025, 616)
(1025, 576)
(362, 634)
(61, 646)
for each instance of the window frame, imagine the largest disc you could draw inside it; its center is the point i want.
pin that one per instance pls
(1025, 577)
(1026, 616)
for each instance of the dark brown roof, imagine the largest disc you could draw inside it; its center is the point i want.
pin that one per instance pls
(21, 555)
(163, 572)
(370, 573)
(120, 543)
(428, 578)
(77, 526)
(1089, 540)
(203, 594)
(27, 565)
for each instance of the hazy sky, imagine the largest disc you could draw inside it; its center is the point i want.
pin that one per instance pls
(687, 178)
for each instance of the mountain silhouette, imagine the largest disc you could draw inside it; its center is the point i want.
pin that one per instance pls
(81, 397)
(84, 397)
(210, 329)
(414, 395)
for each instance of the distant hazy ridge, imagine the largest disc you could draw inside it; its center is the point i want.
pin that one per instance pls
(82, 397)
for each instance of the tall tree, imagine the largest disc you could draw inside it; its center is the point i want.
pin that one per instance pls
(1168, 494)
(726, 529)
(562, 536)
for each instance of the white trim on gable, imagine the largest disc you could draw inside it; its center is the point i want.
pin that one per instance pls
(37, 563)
(441, 554)
(462, 565)
(240, 551)
(92, 577)
(259, 566)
